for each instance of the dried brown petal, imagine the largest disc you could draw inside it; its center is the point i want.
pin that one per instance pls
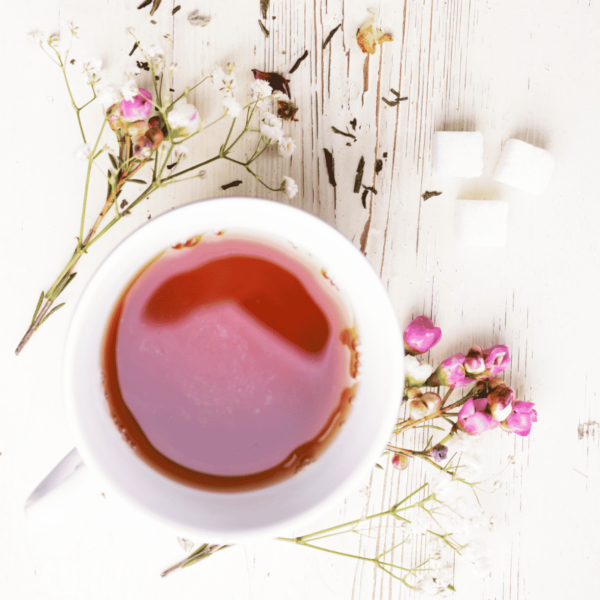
(286, 110)
(369, 36)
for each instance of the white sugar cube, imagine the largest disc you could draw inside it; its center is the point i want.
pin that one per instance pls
(524, 166)
(458, 153)
(481, 222)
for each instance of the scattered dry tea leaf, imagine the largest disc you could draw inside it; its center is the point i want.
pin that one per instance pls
(264, 7)
(197, 20)
(263, 28)
(359, 175)
(275, 80)
(369, 36)
(232, 184)
(330, 164)
(331, 34)
(428, 195)
(286, 110)
(299, 61)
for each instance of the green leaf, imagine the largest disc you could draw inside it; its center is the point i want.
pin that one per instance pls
(60, 288)
(137, 181)
(52, 311)
(37, 308)
(378, 466)
(113, 161)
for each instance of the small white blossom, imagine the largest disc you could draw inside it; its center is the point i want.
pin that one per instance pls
(271, 127)
(224, 82)
(441, 484)
(260, 91)
(173, 67)
(290, 187)
(286, 146)
(130, 90)
(83, 152)
(279, 95)
(36, 36)
(184, 119)
(108, 95)
(155, 55)
(179, 153)
(415, 372)
(92, 71)
(419, 524)
(233, 106)
(73, 29)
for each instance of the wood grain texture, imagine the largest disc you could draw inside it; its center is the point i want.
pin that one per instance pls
(508, 68)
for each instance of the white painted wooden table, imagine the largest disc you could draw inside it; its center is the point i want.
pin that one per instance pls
(509, 68)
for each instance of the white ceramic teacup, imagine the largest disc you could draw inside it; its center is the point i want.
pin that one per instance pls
(281, 507)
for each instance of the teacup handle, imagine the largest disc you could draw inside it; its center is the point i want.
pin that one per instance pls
(51, 484)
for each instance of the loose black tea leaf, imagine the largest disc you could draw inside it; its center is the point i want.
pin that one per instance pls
(232, 184)
(349, 144)
(350, 135)
(378, 166)
(385, 154)
(370, 189)
(153, 21)
(124, 204)
(331, 34)
(144, 4)
(297, 63)
(72, 61)
(263, 28)
(364, 198)
(428, 195)
(264, 7)
(330, 166)
(142, 65)
(353, 124)
(359, 175)
(176, 9)
(155, 7)
(286, 110)
(133, 49)
(172, 165)
(396, 100)
(275, 80)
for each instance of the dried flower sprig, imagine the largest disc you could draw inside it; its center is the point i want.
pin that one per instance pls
(156, 142)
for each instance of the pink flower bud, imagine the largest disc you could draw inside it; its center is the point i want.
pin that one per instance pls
(501, 402)
(521, 419)
(400, 462)
(450, 373)
(496, 359)
(142, 147)
(474, 363)
(156, 136)
(413, 393)
(138, 108)
(474, 419)
(420, 336)
(137, 128)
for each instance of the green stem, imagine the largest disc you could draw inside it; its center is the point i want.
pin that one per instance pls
(64, 71)
(202, 164)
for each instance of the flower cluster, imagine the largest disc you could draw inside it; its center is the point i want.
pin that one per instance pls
(151, 125)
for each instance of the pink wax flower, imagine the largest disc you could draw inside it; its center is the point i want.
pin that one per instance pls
(474, 362)
(521, 419)
(451, 373)
(501, 400)
(474, 419)
(496, 359)
(421, 335)
(400, 462)
(138, 108)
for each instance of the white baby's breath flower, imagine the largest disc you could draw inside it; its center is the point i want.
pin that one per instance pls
(108, 95)
(155, 55)
(184, 119)
(130, 90)
(441, 484)
(179, 153)
(233, 106)
(290, 187)
(36, 36)
(271, 127)
(260, 91)
(286, 146)
(173, 67)
(224, 82)
(415, 372)
(419, 524)
(92, 71)
(279, 95)
(73, 29)
(83, 152)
